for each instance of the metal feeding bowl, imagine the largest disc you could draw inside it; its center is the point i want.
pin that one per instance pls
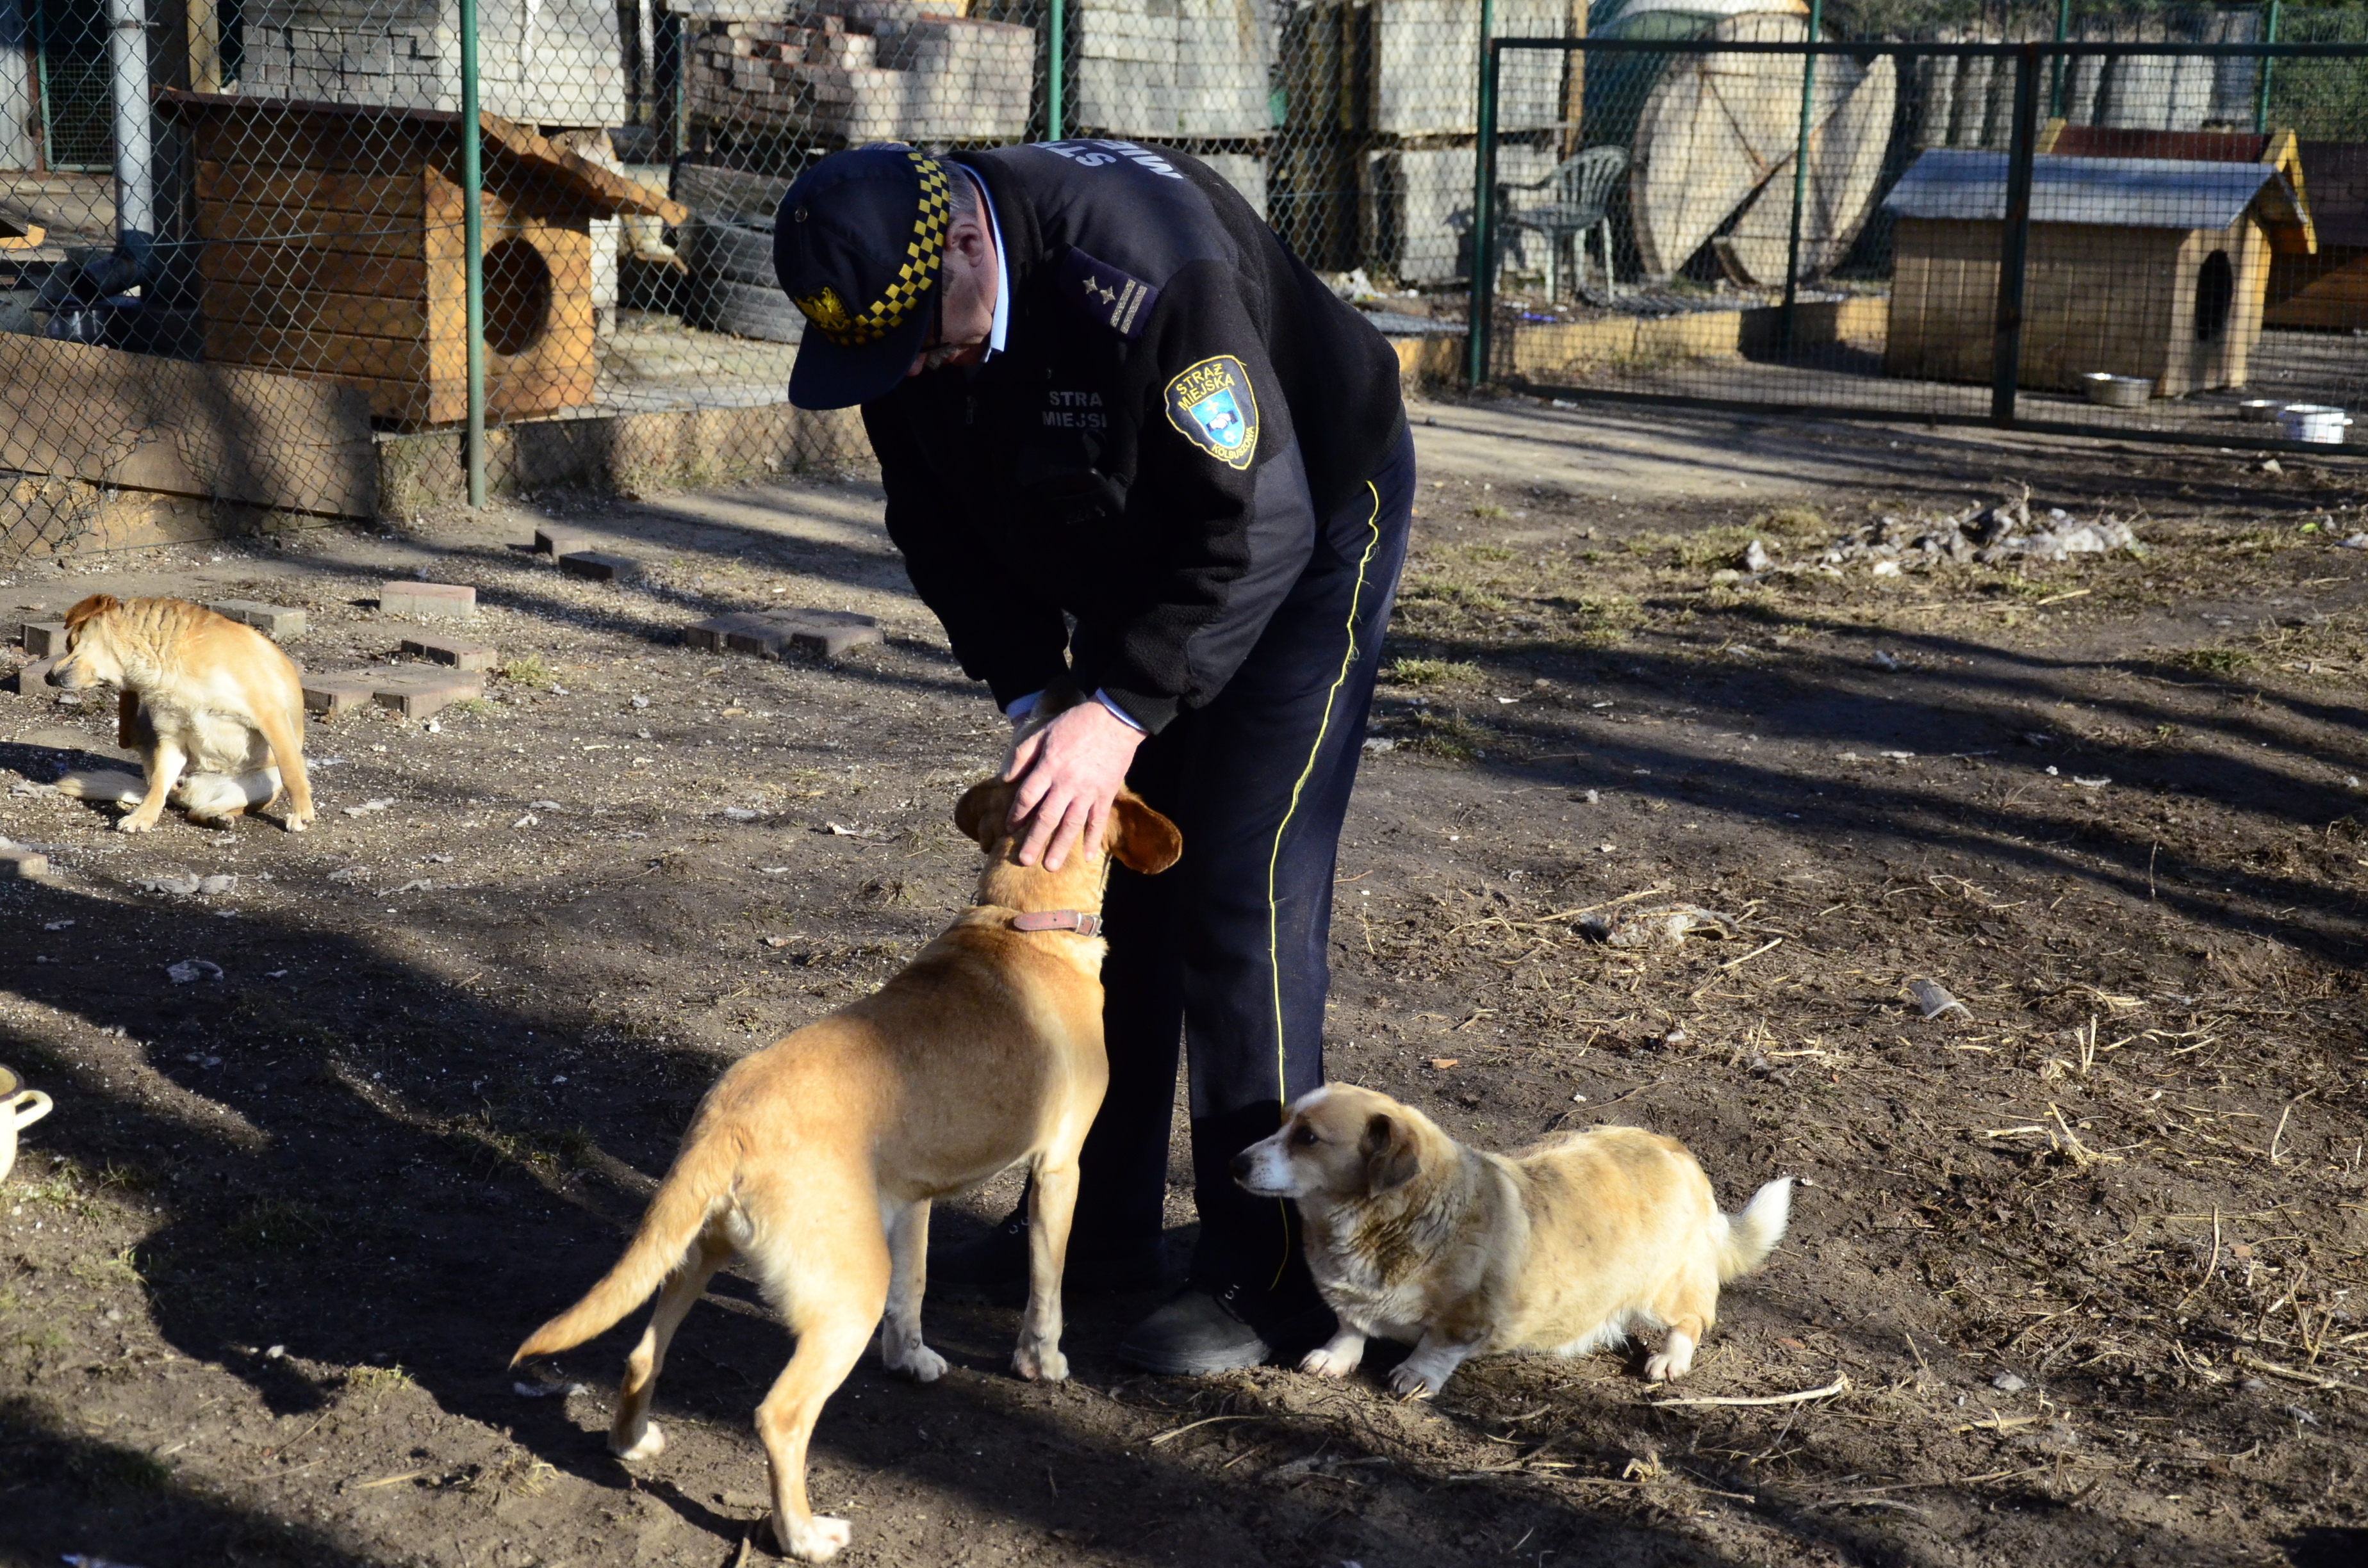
(2263, 409)
(2109, 390)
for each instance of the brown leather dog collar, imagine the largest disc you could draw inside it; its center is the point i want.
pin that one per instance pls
(1083, 923)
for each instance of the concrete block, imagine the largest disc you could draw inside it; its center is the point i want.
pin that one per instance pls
(44, 639)
(32, 676)
(416, 696)
(768, 634)
(556, 542)
(276, 621)
(601, 567)
(331, 695)
(18, 861)
(449, 601)
(447, 651)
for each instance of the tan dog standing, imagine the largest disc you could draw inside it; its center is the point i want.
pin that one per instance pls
(1568, 1246)
(817, 1159)
(215, 709)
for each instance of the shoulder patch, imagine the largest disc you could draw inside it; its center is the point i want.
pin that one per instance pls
(1213, 405)
(1118, 299)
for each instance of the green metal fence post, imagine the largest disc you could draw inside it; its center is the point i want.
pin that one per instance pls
(2056, 71)
(2262, 105)
(1483, 206)
(1057, 45)
(473, 243)
(2006, 350)
(1800, 182)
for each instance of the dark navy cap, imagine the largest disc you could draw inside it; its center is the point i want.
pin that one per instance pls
(858, 247)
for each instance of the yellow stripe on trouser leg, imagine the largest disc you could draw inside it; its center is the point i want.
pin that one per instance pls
(1274, 857)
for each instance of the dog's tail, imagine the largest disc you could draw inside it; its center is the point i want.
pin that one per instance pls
(685, 1200)
(1748, 1237)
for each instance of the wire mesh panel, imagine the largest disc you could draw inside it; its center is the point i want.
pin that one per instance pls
(2149, 225)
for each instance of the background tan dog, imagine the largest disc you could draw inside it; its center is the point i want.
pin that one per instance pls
(817, 1159)
(214, 709)
(1569, 1246)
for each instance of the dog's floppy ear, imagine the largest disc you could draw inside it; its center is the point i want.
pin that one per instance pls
(1390, 1157)
(90, 609)
(984, 810)
(1145, 841)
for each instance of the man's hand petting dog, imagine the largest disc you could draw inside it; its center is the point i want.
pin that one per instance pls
(1069, 773)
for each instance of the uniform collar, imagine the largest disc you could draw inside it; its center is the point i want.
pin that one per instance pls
(997, 333)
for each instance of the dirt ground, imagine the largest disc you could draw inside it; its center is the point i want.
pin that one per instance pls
(2079, 1268)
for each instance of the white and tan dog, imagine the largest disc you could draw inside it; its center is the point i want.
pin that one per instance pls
(214, 709)
(817, 1159)
(1568, 1246)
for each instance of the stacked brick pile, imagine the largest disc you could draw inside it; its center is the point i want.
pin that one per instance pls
(1174, 70)
(540, 61)
(886, 73)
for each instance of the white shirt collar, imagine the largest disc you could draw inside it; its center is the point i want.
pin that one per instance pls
(1002, 271)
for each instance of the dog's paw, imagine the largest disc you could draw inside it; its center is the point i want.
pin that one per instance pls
(299, 824)
(817, 1542)
(1327, 1362)
(648, 1446)
(1668, 1367)
(1040, 1364)
(1410, 1382)
(135, 823)
(921, 1364)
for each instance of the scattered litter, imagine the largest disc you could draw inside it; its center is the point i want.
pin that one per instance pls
(2090, 783)
(190, 970)
(1443, 1062)
(1887, 568)
(367, 807)
(347, 874)
(2051, 770)
(544, 1390)
(440, 859)
(772, 870)
(1756, 558)
(418, 884)
(838, 831)
(275, 1353)
(740, 813)
(222, 883)
(528, 820)
(1578, 1099)
(1933, 998)
(27, 787)
(2299, 1414)
(183, 882)
(1885, 660)
(1664, 926)
(1674, 1039)
(544, 806)
(312, 762)
(56, 924)
(2007, 1382)
(1591, 797)
(82, 1560)
(2356, 542)
(1379, 745)
(777, 942)
(1899, 755)
(640, 701)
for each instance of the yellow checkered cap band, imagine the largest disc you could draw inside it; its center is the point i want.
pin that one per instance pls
(915, 278)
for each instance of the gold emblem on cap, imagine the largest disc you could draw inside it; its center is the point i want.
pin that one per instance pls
(923, 254)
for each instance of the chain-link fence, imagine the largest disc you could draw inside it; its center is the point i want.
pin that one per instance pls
(234, 234)
(2143, 228)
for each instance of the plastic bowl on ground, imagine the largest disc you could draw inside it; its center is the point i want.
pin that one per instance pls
(2313, 421)
(2109, 390)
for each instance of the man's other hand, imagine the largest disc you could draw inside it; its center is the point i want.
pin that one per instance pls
(1069, 773)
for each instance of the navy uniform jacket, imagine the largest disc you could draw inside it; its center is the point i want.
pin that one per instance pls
(1179, 399)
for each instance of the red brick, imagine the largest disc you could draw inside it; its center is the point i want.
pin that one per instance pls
(43, 639)
(601, 567)
(416, 696)
(766, 634)
(447, 650)
(445, 600)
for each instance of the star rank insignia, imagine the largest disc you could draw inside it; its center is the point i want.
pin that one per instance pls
(1116, 298)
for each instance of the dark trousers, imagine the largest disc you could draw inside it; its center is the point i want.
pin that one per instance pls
(1226, 950)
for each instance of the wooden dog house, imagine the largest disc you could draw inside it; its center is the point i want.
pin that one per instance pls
(332, 246)
(2138, 266)
(2327, 290)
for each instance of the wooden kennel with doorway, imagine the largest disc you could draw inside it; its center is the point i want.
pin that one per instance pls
(2137, 266)
(331, 244)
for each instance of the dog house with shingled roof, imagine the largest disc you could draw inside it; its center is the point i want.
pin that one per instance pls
(332, 246)
(2137, 266)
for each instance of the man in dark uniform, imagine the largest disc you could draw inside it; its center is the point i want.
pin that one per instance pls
(1133, 449)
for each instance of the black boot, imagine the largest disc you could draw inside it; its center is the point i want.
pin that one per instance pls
(1226, 1328)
